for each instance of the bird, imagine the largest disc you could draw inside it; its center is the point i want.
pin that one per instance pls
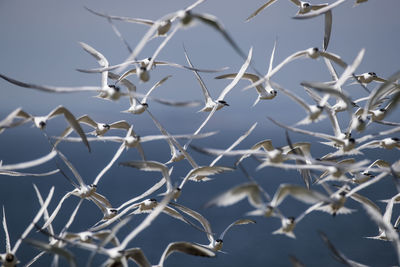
(265, 91)
(314, 111)
(312, 52)
(137, 255)
(304, 7)
(82, 190)
(319, 11)
(9, 258)
(41, 121)
(201, 172)
(139, 108)
(288, 223)
(185, 17)
(100, 128)
(110, 92)
(385, 234)
(163, 27)
(250, 190)
(211, 105)
(151, 166)
(215, 244)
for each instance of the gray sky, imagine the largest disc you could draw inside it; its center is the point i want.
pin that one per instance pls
(39, 44)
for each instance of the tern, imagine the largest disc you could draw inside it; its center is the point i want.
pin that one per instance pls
(41, 121)
(215, 244)
(312, 52)
(304, 7)
(313, 111)
(139, 108)
(9, 259)
(151, 166)
(211, 105)
(81, 190)
(386, 228)
(100, 128)
(289, 223)
(186, 17)
(180, 246)
(162, 28)
(386, 218)
(265, 92)
(251, 191)
(319, 11)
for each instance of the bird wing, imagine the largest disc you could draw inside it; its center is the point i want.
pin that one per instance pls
(261, 8)
(238, 76)
(237, 222)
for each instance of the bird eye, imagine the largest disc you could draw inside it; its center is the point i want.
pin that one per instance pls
(320, 107)
(315, 49)
(9, 257)
(395, 139)
(106, 126)
(153, 200)
(93, 186)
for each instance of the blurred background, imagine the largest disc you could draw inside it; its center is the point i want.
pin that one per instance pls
(39, 44)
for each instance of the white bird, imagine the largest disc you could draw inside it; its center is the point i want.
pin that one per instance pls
(288, 223)
(139, 108)
(365, 175)
(215, 244)
(265, 91)
(111, 92)
(304, 7)
(186, 17)
(120, 253)
(251, 191)
(211, 105)
(220, 102)
(376, 96)
(9, 258)
(139, 258)
(163, 26)
(201, 172)
(151, 166)
(314, 111)
(386, 218)
(312, 52)
(81, 190)
(41, 121)
(345, 144)
(368, 77)
(300, 193)
(319, 11)
(100, 128)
